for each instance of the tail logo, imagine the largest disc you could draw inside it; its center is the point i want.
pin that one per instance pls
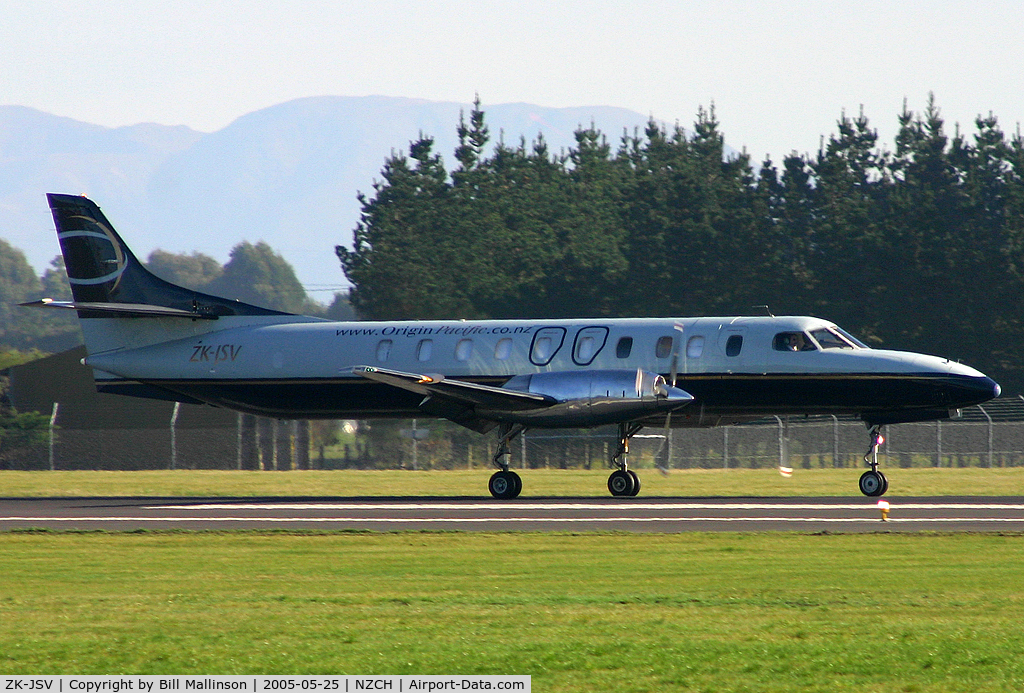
(113, 257)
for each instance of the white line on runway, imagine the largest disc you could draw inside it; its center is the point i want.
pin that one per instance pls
(871, 505)
(563, 520)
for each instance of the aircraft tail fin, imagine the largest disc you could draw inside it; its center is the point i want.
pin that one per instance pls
(107, 280)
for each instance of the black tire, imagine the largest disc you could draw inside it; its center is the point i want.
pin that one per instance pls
(885, 484)
(517, 481)
(636, 482)
(502, 485)
(872, 484)
(620, 483)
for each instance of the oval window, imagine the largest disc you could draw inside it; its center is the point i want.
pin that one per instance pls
(695, 347)
(503, 349)
(734, 345)
(542, 349)
(663, 348)
(383, 349)
(624, 347)
(424, 349)
(463, 350)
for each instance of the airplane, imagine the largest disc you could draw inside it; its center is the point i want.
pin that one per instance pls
(146, 337)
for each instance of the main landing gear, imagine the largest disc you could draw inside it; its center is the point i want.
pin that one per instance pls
(624, 481)
(504, 483)
(873, 483)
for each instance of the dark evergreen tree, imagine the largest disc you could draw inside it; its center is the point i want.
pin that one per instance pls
(397, 263)
(194, 271)
(258, 275)
(916, 249)
(844, 245)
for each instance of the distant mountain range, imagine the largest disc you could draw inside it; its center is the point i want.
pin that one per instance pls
(287, 174)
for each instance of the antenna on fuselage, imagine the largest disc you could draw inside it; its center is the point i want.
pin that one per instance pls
(766, 309)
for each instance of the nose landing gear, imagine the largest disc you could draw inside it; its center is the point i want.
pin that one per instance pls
(873, 483)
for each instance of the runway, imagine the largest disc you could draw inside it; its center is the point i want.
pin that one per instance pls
(946, 514)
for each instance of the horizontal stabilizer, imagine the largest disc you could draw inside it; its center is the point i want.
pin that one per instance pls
(140, 310)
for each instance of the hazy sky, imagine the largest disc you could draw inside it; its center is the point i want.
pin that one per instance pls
(779, 73)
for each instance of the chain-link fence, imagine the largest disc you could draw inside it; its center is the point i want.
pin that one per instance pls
(990, 437)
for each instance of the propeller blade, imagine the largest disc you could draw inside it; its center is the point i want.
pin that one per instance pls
(662, 460)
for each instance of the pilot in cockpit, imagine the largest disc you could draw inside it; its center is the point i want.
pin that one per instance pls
(793, 341)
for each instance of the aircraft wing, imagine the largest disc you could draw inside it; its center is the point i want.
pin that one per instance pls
(460, 391)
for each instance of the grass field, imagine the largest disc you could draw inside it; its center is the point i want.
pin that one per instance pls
(971, 481)
(577, 612)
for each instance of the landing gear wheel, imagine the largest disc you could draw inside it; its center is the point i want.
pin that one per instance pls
(505, 485)
(885, 484)
(518, 481)
(873, 484)
(620, 483)
(636, 482)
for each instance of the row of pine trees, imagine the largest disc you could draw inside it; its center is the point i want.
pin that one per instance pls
(917, 247)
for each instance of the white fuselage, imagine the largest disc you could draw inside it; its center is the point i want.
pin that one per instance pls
(733, 366)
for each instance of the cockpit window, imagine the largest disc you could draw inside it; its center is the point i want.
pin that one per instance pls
(833, 339)
(856, 342)
(792, 341)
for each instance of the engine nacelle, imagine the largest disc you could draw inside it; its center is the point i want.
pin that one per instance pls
(594, 398)
(564, 386)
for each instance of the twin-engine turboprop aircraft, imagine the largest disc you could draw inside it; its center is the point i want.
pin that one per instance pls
(149, 338)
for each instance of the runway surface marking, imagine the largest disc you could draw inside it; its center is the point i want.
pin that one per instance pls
(448, 520)
(871, 505)
(487, 515)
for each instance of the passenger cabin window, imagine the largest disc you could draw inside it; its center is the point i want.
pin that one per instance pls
(542, 349)
(792, 341)
(624, 347)
(663, 348)
(695, 347)
(734, 345)
(546, 343)
(424, 349)
(503, 349)
(463, 350)
(589, 342)
(383, 349)
(585, 350)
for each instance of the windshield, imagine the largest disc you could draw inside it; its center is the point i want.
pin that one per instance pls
(834, 338)
(850, 337)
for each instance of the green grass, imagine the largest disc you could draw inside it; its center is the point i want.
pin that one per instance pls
(607, 612)
(536, 483)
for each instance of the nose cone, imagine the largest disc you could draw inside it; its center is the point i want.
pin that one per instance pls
(969, 391)
(677, 397)
(968, 386)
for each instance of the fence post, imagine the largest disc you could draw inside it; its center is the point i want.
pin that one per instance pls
(53, 425)
(174, 435)
(938, 442)
(835, 441)
(725, 447)
(989, 418)
(302, 444)
(783, 442)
